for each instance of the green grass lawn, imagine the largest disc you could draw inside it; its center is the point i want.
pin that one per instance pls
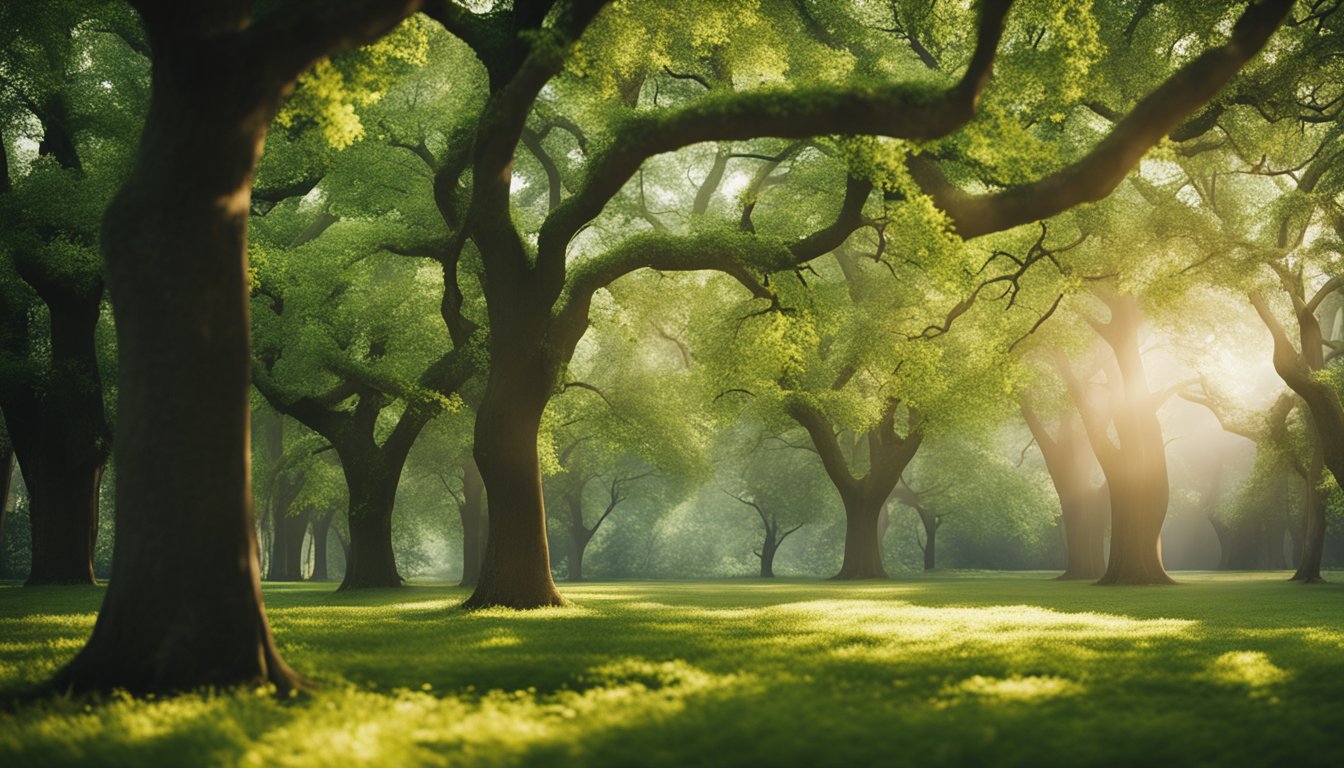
(958, 669)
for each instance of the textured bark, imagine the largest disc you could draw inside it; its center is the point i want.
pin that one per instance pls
(472, 512)
(183, 607)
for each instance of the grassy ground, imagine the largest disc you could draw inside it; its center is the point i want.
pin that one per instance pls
(960, 669)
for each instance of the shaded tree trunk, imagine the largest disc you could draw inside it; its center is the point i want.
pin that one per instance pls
(472, 512)
(286, 562)
(59, 434)
(768, 549)
(321, 528)
(183, 606)
(373, 492)
(6, 490)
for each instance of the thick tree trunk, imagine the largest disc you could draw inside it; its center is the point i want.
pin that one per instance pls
(577, 546)
(1135, 461)
(1084, 517)
(183, 608)
(1313, 515)
(373, 493)
(60, 436)
(863, 551)
(1138, 508)
(64, 516)
(516, 568)
(321, 529)
(472, 512)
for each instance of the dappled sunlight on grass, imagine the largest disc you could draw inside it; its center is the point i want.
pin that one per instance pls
(952, 670)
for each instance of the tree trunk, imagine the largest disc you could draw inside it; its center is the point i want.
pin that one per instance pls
(472, 512)
(6, 489)
(930, 522)
(863, 551)
(183, 608)
(59, 434)
(1313, 515)
(64, 517)
(373, 493)
(768, 549)
(287, 545)
(1138, 508)
(1084, 517)
(321, 528)
(516, 568)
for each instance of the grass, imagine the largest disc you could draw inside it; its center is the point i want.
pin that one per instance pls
(957, 669)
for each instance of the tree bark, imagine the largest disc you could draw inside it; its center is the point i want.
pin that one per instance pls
(321, 528)
(1313, 515)
(372, 486)
(286, 563)
(471, 510)
(59, 434)
(863, 551)
(516, 567)
(768, 549)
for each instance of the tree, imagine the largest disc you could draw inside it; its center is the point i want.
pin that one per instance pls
(51, 283)
(539, 297)
(174, 241)
(1083, 505)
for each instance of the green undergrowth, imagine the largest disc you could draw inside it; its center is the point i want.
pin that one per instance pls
(955, 669)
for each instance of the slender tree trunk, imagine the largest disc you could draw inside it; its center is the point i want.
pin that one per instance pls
(1225, 543)
(321, 529)
(1313, 514)
(472, 512)
(183, 606)
(930, 523)
(768, 549)
(373, 492)
(863, 553)
(516, 568)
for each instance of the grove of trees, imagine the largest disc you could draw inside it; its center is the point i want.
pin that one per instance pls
(504, 291)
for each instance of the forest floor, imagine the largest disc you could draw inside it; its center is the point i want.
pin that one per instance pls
(952, 669)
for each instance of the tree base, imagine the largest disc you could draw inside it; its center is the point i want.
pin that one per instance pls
(518, 600)
(1136, 580)
(1308, 578)
(61, 581)
(371, 581)
(1079, 576)
(860, 576)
